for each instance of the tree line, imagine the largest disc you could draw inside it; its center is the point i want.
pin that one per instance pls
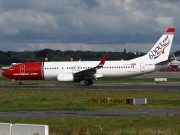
(8, 57)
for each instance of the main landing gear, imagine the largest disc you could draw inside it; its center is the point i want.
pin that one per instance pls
(88, 82)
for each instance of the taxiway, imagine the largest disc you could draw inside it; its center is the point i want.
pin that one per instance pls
(37, 114)
(121, 86)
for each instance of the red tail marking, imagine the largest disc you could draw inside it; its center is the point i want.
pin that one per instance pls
(170, 30)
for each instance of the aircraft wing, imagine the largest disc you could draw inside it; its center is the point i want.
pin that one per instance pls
(91, 71)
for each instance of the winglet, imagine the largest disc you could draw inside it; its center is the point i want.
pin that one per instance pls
(103, 60)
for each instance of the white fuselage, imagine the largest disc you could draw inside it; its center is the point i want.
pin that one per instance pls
(111, 69)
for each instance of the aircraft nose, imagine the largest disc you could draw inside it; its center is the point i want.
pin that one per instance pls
(3, 73)
(6, 74)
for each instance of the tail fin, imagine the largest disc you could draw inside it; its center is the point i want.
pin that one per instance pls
(160, 51)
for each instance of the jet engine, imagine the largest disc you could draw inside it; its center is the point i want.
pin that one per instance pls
(65, 77)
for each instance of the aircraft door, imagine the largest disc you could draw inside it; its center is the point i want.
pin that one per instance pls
(22, 68)
(142, 67)
(78, 68)
(73, 68)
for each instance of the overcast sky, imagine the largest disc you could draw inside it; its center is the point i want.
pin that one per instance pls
(97, 25)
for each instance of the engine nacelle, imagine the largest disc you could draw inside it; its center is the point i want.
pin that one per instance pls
(65, 77)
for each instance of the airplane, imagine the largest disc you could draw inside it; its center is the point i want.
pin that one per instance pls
(77, 71)
(175, 63)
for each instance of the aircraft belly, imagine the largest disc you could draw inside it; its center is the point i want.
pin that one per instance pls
(118, 74)
(50, 76)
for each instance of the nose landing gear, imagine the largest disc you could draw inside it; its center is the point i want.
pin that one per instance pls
(19, 82)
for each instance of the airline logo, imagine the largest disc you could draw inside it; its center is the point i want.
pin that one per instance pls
(133, 64)
(159, 49)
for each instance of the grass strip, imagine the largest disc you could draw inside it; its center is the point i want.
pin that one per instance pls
(58, 99)
(121, 125)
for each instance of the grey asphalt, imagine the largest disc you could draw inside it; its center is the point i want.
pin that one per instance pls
(121, 86)
(68, 113)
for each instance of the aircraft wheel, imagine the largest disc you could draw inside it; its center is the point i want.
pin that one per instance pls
(91, 82)
(19, 83)
(88, 82)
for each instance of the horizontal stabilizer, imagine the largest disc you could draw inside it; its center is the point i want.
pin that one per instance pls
(164, 62)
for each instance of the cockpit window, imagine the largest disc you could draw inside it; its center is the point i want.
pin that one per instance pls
(11, 68)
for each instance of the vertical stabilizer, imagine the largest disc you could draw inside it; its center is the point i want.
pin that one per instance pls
(160, 51)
